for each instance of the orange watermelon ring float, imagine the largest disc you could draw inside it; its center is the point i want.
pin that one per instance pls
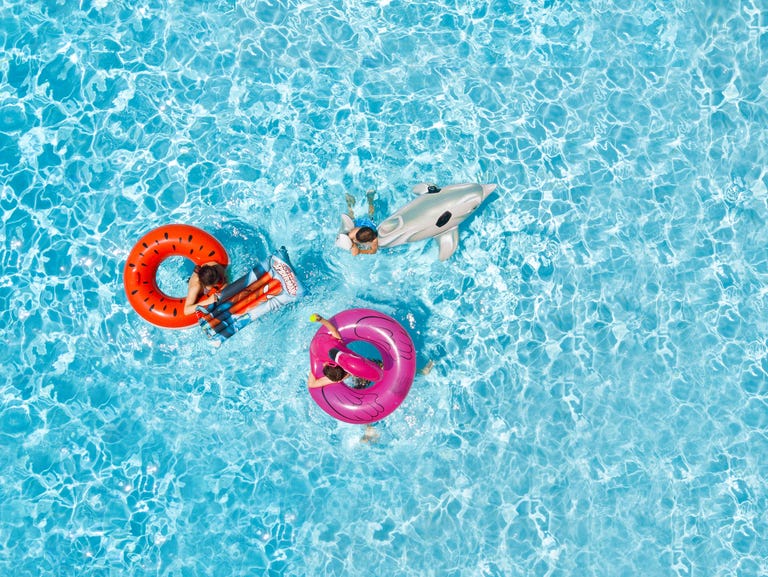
(140, 275)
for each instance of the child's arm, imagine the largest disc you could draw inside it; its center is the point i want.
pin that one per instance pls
(372, 250)
(193, 291)
(327, 324)
(314, 383)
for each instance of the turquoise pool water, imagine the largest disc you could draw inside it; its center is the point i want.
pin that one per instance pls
(598, 403)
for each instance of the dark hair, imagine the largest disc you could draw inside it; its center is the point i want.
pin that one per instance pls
(211, 274)
(334, 372)
(366, 234)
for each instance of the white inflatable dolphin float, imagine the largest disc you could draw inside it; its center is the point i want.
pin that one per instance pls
(435, 213)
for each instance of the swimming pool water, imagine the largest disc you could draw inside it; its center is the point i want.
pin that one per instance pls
(598, 403)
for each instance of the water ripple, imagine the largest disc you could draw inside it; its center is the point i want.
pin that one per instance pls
(597, 396)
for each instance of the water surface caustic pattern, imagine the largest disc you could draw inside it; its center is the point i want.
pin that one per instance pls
(598, 403)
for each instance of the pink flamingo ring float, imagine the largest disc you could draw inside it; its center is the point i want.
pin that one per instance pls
(391, 380)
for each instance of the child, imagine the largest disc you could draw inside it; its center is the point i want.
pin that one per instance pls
(207, 280)
(363, 237)
(332, 373)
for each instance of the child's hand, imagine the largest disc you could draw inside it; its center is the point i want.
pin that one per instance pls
(355, 250)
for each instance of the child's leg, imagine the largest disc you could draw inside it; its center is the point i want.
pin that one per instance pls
(370, 196)
(371, 435)
(350, 205)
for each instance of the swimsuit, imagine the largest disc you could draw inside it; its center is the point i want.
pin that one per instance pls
(365, 221)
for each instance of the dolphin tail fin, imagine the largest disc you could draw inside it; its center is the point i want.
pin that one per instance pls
(449, 242)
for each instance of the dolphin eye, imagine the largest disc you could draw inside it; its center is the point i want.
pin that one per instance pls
(445, 217)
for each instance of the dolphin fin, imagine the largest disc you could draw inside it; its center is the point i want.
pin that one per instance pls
(449, 242)
(347, 223)
(342, 240)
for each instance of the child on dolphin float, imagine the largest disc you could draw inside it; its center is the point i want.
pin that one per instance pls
(435, 213)
(361, 236)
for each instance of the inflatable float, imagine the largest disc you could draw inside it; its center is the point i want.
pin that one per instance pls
(140, 274)
(266, 287)
(435, 213)
(391, 379)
